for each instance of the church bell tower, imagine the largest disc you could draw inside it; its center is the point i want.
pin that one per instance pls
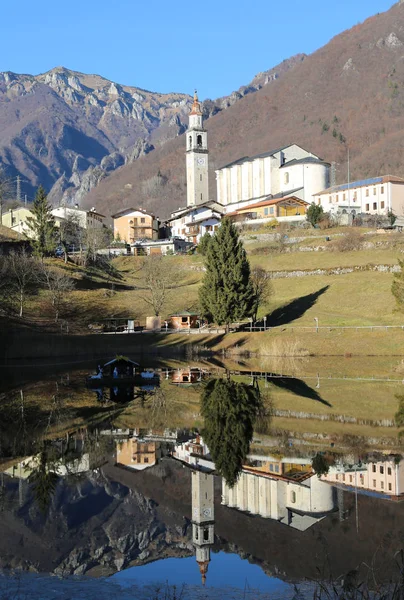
(203, 526)
(197, 157)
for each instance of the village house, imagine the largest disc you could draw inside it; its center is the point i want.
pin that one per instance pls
(375, 196)
(193, 222)
(164, 247)
(16, 219)
(287, 171)
(289, 208)
(134, 224)
(384, 477)
(86, 219)
(136, 454)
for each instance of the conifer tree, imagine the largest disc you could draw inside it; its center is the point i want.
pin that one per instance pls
(230, 410)
(226, 293)
(42, 225)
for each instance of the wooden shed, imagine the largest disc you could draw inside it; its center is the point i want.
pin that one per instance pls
(184, 320)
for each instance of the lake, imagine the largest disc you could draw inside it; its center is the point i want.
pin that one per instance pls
(205, 479)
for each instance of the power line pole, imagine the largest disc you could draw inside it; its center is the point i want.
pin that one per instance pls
(18, 189)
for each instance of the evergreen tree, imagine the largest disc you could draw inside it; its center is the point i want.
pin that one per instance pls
(204, 243)
(314, 213)
(226, 293)
(229, 410)
(42, 225)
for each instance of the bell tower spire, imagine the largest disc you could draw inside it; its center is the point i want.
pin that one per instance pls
(197, 157)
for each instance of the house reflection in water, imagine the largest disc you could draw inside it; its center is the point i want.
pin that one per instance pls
(384, 478)
(286, 490)
(188, 376)
(137, 454)
(203, 527)
(194, 453)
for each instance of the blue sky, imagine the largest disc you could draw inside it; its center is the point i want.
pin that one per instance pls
(162, 45)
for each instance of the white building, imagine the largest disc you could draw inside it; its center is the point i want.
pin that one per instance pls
(375, 196)
(298, 504)
(284, 171)
(86, 219)
(17, 220)
(194, 453)
(384, 477)
(193, 222)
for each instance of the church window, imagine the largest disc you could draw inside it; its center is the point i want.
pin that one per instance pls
(199, 141)
(196, 535)
(293, 497)
(201, 196)
(200, 177)
(190, 141)
(286, 178)
(206, 535)
(382, 190)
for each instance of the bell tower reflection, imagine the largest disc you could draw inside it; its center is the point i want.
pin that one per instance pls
(203, 533)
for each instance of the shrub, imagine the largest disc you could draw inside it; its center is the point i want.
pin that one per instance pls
(352, 240)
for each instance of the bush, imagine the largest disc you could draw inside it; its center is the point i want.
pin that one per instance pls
(352, 240)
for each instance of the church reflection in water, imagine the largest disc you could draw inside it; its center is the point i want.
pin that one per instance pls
(203, 515)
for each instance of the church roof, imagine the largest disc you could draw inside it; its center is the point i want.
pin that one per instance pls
(239, 161)
(302, 161)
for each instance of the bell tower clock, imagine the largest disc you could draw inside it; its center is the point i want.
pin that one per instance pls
(197, 157)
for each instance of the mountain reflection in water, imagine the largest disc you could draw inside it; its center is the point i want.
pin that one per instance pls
(96, 488)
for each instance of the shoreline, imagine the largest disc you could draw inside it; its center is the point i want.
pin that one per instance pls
(20, 344)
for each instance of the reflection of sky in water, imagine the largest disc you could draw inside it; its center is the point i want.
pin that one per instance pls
(224, 570)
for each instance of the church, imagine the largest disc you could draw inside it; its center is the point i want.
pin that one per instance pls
(279, 184)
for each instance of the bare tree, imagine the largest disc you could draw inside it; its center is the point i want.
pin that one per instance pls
(58, 285)
(21, 269)
(262, 288)
(159, 277)
(96, 238)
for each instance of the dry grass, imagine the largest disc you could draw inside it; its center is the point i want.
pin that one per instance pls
(281, 348)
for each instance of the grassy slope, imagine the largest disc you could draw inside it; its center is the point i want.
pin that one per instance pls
(355, 299)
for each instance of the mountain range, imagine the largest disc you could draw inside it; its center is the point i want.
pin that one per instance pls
(92, 141)
(68, 131)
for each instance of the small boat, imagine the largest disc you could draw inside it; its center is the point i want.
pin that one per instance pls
(122, 370)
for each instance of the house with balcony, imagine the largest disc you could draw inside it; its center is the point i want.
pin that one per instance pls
(134, 224)
(374, 196)
(284, 208)
(193, 222)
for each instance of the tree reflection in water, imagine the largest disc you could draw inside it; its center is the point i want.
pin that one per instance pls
(43, 477)
(230, 410)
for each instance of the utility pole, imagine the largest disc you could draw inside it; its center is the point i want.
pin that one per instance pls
(349, 182)
(333, 174)
(18, 189)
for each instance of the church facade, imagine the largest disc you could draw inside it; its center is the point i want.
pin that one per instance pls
(290, 170)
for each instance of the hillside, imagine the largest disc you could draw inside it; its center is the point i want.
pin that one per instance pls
(68, 130)
(350, 93)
